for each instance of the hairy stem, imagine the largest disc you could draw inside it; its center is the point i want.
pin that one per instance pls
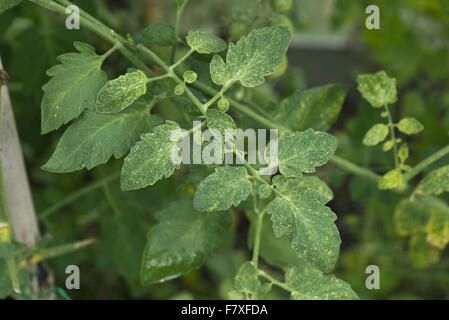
(425, 163)
(393, 136)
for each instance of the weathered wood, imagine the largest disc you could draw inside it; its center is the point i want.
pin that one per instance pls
(17, 187)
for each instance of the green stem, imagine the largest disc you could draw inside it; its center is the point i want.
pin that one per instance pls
(179, 11)
(76, 195)
(393, 136)
(177, 63)
(111, 200)
(355, 169)
(257, 236)
(425, 163)
(273, 280)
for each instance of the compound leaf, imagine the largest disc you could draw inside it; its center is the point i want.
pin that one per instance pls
(308, 283)
(73, 87)
(227, 187)
(151, 158)
(181, 241)
(410, 126)
(301, 215)
(120, 93)
(436, 182)
(301, 152)
(203, 42)
(316, 108)
(376, 134)
(92, 139)
(252, 58)
(378, 89)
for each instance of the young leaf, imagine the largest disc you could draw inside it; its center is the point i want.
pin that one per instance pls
(150, 159)
(8, 4)
(410, 217)
(391, 180)
(410, 126)
(73, 87)
(301, 152)
(92, 139)
(403, 152)
(203, 42)
(436, 182)
(376, 134)
(378, 89)
(246, 280)
(317, 108)
(182, 240)
(308, 283)
(252, 58)
(227, 187)
(158, 34)
(301, 215)
(438, 230)
(264, 191)
(120, 93)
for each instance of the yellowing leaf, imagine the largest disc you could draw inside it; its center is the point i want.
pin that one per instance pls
(410, 217)
(438, 230)
(391, 180)
(436, 182)
(378, 89)
(410, 126)
(376, 134)
(246, 280)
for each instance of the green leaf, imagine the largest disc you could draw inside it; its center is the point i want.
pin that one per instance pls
(403, 152)
(92, 139)
(410, 126)
(246, 281)
(73, 87)
(8, 4)
(182, 240)
(410, 217)
(301, 152)
(227, 187)
(203, 42)
(421, 255)
(252, 58)
(264, 191)
(120, 93)
(376, 134)
(436, 182)
(438, 230)
(312, 183)
(301, 215)
(317, 108)
(378, 89)
(392, 180)
(158, 34)
(150, 159)
(308, 283)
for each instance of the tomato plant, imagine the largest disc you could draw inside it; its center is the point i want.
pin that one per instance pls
(261, 235)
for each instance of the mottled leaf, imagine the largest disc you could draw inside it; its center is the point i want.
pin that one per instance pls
(410, 126)
(227, 187)
(181, 241)
(376, 134)
(92, 139)
(410, 217)
(159, 34)
(317, 108)
(301, 215)
(391, 180)
(203, 42)
(120, 93)
(150, 159)
(308, 283)
(301, 152)
(252, 58)
(220, 121)
(73, 87)
(438, 230)
(378, 89)
(436, 182)
(246, 280)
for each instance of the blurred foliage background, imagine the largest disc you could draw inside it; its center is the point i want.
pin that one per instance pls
(330, 44)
